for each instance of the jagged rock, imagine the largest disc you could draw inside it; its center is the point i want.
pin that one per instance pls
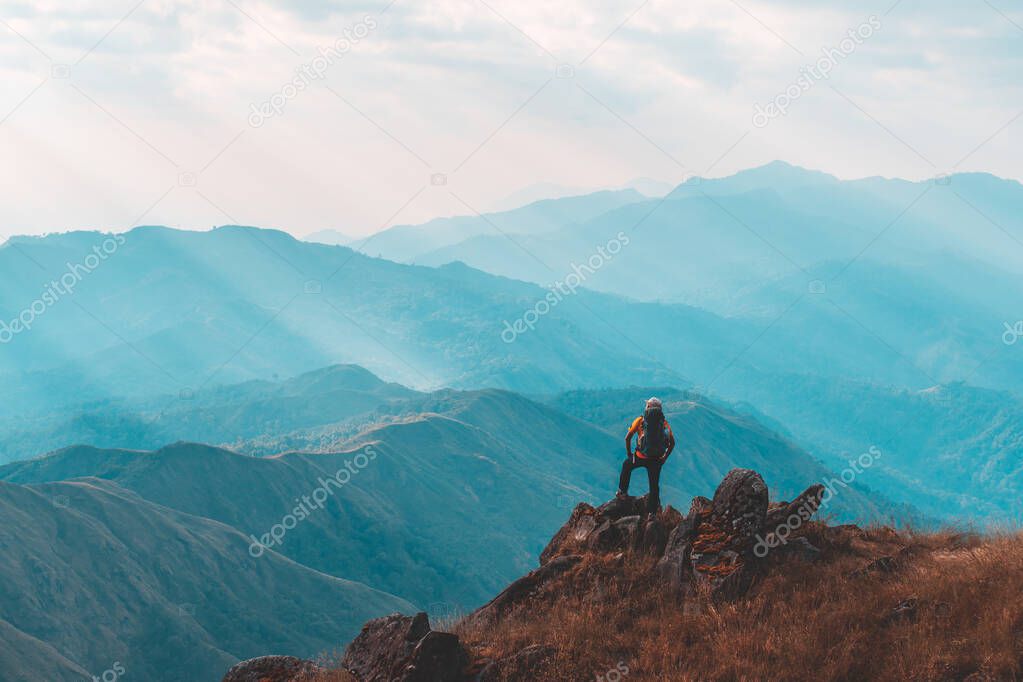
(740, 504)
(438, 657)
(418, 628)
(654, 538)
(522, 588)
(271, 669)
(529, 659)
(674, 567)
(699, 504)
(716, 542)
(399, 648)
(575, 532)
(613, 525)
(623, 506)
(630, 530)
(606, 536)
(726, 531)
(796, 512)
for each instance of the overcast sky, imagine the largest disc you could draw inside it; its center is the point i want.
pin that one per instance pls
(118, 112)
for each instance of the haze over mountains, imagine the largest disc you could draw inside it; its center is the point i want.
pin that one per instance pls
(929, 268)
(186, 390)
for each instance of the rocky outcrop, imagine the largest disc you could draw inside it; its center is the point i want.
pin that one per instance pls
(716, 548)
(400, 648)
(721, 542)
(621, 523)
(801, 508)
(271, 669)
(675, 567)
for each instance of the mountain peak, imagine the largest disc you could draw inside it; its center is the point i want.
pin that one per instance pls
(776, 174)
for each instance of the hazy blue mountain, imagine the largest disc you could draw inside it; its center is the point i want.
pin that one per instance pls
(923, 270)
(332, 238)
(173, 311)
(953, 451)
(541, 191)
(407, 243)
(698, 249)
(229, 414)
(93, 577)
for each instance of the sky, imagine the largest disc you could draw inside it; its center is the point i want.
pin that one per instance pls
(354, 116)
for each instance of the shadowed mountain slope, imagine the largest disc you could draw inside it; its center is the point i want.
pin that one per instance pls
(93, 574)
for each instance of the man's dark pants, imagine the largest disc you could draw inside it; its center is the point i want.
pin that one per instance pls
(653, 472)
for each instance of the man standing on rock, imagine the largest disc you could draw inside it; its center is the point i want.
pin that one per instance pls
(656, 441)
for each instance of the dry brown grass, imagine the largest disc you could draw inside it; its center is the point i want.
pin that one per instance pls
(332, 676)
(803, 621)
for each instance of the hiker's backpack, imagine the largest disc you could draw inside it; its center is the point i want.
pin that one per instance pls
(653, 435)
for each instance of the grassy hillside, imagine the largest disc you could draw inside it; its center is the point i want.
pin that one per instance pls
(93, 574)
(449, 467)
(949, 611)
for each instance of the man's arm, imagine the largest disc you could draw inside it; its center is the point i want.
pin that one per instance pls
(671, 444)
(628, 440)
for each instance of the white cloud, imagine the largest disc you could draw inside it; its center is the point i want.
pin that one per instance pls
(176, 80)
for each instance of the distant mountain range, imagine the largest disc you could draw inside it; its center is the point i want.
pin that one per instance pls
(188, 390)
(408, 243)
(176, 312)
(242, 416)
(925, 270)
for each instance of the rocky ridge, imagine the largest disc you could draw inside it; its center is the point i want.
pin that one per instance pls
(713, 552)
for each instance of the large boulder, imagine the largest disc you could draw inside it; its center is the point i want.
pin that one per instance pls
(724, 534)
(740, 504)
(271, 669)
(614, 525)
(675, 567)
(796, 512)
(399, 648)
